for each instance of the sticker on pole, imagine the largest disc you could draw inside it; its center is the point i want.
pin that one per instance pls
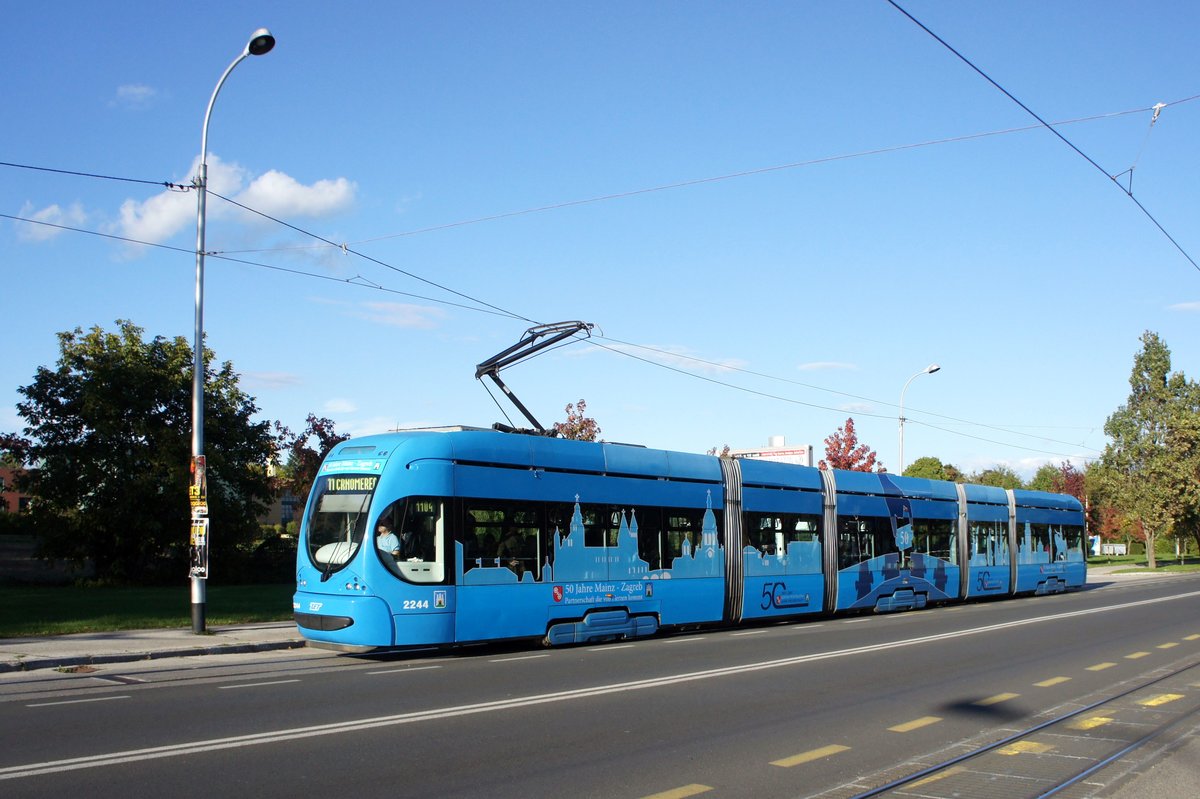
(198, 548)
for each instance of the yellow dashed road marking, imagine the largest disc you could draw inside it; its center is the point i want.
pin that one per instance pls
(1051, 681)
(1168, 645)
(1161, 699)
(1089, 724)
(1192, 637)
(1024, 748)
(809, 756)
(680, 793)
(915, 724)
(941, 775)
(1101, 666)
(1136, 655)
(995, 700)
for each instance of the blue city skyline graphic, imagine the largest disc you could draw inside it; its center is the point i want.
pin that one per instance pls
(572, 560)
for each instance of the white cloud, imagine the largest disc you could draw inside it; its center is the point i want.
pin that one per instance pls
(399, 314)
(278, 194)
(71, 216)
(339, 405)
(824, 366)
(157, 219)
(673, 355)
(856, 407)
(271, 380)
(380, 424)
(170, 212)
(134, 95)
(1187, 307)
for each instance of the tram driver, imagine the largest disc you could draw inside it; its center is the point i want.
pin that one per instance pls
(385, 539)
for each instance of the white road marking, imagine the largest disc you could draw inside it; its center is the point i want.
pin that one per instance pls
(406, 668)
(297, 733)
(254, 684)
(77, 701)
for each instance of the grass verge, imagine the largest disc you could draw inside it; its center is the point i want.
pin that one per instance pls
(59, 610)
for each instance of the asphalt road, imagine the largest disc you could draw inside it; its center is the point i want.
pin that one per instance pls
(783, 710)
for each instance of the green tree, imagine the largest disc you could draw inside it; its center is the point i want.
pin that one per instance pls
(1047, 478)
(998, 476)
(109, 430)
(1183, 444)
(842, 451)
(1148, 469)
(577, 426)
(932, 468)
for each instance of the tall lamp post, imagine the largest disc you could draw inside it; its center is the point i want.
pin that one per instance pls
(261, 42)
(928, 370)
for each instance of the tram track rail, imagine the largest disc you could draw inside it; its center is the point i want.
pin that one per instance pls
(1080, 752)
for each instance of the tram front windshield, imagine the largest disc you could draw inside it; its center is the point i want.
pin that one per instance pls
(338, 519)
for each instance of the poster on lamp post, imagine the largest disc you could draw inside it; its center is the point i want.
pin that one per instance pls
(198, 548)
(198, 539)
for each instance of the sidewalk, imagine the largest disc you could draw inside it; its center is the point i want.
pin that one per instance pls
(19, 654)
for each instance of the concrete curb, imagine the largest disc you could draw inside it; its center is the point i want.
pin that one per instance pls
(21, 663)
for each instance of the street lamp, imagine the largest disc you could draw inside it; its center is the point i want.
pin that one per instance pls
(261, 42)
(928, 370)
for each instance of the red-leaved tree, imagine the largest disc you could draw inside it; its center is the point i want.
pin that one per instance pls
(300, 469)
(842, 451)
(577, 426)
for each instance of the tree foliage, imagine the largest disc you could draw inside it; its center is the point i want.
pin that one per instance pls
(1046, 478)
(109, 432)
(577, 426)
(998, 476)
(300, 470)
(1149, 469)
(932, 468)
(842, 451)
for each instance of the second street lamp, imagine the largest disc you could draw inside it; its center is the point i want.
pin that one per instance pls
(928, 370)
(261, 42)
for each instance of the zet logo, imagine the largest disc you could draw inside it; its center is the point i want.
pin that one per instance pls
(315, 606)
(558, 593)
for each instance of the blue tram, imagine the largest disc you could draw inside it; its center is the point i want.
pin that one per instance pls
(458, 535)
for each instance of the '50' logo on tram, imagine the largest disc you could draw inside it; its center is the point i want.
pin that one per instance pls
(777, 595)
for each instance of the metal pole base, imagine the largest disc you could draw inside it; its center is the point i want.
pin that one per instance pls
(198, 603)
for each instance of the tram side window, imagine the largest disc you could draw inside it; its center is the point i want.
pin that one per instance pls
(597, 523)
(862, 538)
(500, 533)
(771, 533)
(649, 534)
(410, 539)
(989, 543)
(1038, 537)
(1073, 534)
(935, 537)
(682, 526)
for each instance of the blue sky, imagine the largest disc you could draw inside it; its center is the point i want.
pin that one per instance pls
(791, 202)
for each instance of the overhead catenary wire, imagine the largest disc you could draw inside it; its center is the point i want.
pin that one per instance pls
(731, 368)
(350, 251)
(354, 281)
(1052, 129)
(498, 311)
(555, 206)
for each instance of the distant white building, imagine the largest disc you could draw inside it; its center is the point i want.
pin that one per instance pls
(778, 450)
